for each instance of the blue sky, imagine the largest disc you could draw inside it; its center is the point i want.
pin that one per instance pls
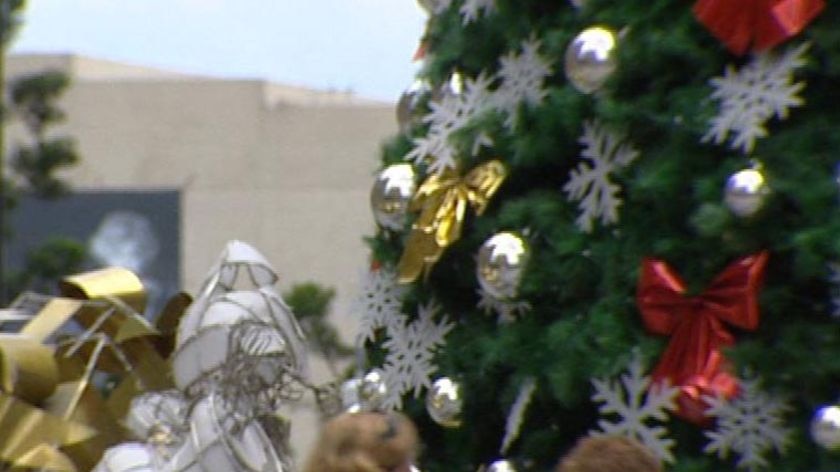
(361, 45)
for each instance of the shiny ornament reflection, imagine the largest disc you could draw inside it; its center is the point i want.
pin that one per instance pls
(409, 104)
(391, 193)
(501, 466)
(372, 390)
(444, 402)
(745, 192)
(591, 58)
(825, 427)
(501, 263)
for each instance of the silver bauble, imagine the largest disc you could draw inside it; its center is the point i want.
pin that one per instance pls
(444, 402)
(825, 427)
(745, 192)
(409, 104)
(391, 193)
(501, 263)
(372, 390)
(452, 87)
(349, 393)
(591, 58)
(501, 466)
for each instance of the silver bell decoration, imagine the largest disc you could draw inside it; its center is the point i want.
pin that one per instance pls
(825, 427)
(591, 58)
(501, 263)
(746, 192)
(444, 402)
(391, 193)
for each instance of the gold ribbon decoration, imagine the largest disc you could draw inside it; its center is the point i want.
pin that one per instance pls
(52, 417)
(442, 201)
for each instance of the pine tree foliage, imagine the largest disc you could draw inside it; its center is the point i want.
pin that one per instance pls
(584, 322)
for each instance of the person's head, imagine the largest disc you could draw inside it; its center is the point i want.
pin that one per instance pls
(609, 454)
(365, 442)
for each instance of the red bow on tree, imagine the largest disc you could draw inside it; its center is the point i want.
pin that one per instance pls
(693, 360)
(761, 24)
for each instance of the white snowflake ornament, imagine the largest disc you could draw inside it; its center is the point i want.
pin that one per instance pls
(521, 76)
(750, 425)
(590, 183)
(411, 347)
(637, 404)
(379, 303)
(448, 115)
(751, 96)
(471, 9)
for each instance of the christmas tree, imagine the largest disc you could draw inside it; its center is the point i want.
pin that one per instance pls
(608, 217)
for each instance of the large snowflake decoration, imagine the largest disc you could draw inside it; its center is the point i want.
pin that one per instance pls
(521, 77)
(448, 115)
(411, 348)
(379, 303)
(472, 8)
(835, 289)
(637, 404)
(748, 425)
(590, 183)
(749, 97)
(507, 310)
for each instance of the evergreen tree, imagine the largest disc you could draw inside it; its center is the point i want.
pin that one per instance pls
(676, 194)
(30, 168)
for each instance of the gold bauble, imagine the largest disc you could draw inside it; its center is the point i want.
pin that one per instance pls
(501, 263)
(391, 193)
(745, 192)
(444, 402)
(591, 58)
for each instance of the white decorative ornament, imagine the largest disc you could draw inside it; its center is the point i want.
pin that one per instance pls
(411, 348)
(637, 404)
(590, 183)
(379, 304)
(521, 76)
(126, 457)
(749, 425)
(751, 96)
(517, 413)
(471, 9)
(450, 113)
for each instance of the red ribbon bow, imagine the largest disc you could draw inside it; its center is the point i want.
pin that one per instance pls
(693, 360)
(761, 24)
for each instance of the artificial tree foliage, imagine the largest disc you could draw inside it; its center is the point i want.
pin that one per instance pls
(584, 321)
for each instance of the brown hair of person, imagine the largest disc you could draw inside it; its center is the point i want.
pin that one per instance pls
(364, 442)
(609, 454)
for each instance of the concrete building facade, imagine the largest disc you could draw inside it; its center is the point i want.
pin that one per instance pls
(283, 168)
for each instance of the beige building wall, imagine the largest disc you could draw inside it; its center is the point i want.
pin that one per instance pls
(285, 169)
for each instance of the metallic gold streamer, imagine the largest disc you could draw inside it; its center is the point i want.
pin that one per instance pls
(442, 201)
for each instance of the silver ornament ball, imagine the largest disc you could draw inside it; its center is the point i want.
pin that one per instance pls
(444, 402)
(501, 263)
(349, 393)
(745, 192)
(409, 104)
(501, 466)
(372, 390)
(591, 58)
(391, 193)
(825, 427)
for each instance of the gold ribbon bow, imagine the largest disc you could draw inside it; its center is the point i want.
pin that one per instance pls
(51, 416)
(442, 201)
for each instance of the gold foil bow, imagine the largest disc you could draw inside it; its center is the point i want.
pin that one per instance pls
(442, 201)
(52, 417)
